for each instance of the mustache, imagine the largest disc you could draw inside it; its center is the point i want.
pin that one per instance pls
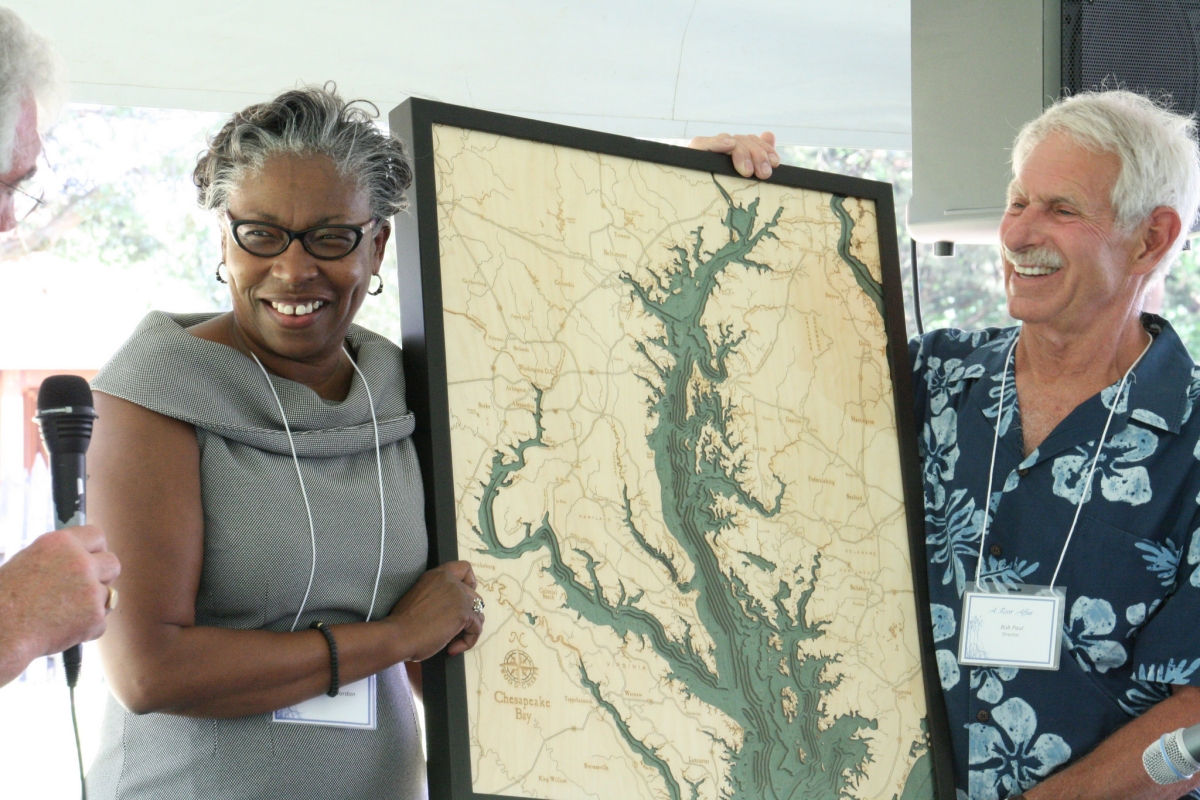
(1033, 257)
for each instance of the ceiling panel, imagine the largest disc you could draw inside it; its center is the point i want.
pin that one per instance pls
(817, 73)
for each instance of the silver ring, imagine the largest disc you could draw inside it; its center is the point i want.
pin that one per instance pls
(477, 606)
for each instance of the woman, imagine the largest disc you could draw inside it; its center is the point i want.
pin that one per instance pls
(255, 475)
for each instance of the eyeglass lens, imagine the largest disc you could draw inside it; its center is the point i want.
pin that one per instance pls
(26, 197)
(263, 239)
(30, 194)
(24, 204)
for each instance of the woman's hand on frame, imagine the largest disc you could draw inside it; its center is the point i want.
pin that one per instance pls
(439, 611)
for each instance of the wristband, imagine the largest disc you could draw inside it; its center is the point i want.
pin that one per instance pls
(334, 684)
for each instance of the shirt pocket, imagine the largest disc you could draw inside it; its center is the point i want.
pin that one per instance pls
(1115, 581)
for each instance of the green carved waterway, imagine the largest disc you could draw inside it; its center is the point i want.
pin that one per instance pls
(862, 273)
(762, 679)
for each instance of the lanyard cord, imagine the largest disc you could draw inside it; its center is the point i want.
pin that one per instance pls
(1099, 446)
(379, 471)
(987, 500)
(987, 514)
(312, 534)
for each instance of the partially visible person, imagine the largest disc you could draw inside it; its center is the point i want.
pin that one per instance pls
(256, 473)
(54, 593)
(1072, 441)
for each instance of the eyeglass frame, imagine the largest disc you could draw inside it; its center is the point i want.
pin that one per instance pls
(38, 202)
(359, 232)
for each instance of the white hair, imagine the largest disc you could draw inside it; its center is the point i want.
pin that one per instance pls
(1160, 161)
(28, 66)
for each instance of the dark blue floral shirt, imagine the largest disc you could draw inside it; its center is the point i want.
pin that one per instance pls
(1132, 626)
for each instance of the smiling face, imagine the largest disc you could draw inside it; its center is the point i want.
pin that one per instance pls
(1066, 263)
(294, 306)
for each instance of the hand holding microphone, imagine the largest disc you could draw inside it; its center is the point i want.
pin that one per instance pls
(54, 594)
(56, 591)
(66, 416)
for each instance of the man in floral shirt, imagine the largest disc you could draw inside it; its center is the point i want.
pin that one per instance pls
(1105, 190)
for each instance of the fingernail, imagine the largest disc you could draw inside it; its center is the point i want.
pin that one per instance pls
(774, 160)
(766, 170)
(728, 142)
(748, 166)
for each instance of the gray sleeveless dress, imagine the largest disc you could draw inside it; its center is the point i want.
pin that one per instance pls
(257, 556)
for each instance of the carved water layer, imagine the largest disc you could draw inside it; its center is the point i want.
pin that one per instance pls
(791, 748)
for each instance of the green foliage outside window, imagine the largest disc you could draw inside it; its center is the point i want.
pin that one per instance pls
(967, 290)
(120, 196)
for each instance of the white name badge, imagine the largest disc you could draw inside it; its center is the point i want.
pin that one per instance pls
(354, 707)
(1020, 627)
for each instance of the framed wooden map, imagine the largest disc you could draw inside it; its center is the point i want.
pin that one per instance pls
(665, 412)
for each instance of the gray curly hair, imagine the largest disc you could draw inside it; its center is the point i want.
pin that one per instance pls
(28, 66)
(304, 121)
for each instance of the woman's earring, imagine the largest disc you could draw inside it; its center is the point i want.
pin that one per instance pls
(220, 277)
(379, 288)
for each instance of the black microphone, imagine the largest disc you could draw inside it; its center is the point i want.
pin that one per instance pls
(66, 416)
(1174, 757)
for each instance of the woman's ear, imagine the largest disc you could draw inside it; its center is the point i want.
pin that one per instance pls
(379, 241)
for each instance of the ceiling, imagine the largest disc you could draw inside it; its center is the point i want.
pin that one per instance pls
(817, 73)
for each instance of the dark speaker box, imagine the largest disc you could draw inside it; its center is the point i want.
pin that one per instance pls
(1144, 46)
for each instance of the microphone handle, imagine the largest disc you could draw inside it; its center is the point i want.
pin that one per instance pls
(68, 471)
(68, 476)
(72, 661)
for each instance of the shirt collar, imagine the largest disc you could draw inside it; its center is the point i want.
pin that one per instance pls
(1157, 395)
(991, 354)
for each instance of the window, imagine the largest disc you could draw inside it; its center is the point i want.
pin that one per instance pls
(966, 290)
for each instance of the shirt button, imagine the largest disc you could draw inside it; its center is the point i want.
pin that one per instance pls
(996, 550)
(983, 715)
(1023, 472)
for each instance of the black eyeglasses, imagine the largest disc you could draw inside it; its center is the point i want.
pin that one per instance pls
(326, 242)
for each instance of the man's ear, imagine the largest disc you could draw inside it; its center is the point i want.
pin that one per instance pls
(1155, 237)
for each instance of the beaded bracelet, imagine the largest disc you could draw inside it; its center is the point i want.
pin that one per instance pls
(334, 684)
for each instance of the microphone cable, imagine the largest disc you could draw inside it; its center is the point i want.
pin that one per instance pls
(65, 415)
(72, 678)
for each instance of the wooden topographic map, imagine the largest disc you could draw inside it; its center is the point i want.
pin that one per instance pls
(676, 473)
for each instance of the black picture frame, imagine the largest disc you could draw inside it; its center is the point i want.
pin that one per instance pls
(423, 340)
